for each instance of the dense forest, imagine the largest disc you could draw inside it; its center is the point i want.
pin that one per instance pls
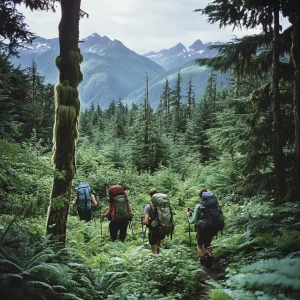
(242, 142)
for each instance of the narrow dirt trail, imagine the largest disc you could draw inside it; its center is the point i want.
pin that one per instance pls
(214, 273)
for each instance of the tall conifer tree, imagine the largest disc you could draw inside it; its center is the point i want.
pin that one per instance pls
(250, 14)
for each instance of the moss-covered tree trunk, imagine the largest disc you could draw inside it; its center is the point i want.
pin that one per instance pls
(66, 119)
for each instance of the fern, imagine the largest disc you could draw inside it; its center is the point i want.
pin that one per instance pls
(268, 278)
(38, 285)
(42, 256)
(29, 271)
(288, 240)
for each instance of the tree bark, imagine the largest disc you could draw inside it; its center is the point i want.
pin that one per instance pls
(66, 119)
(280, 181)
(295, 51)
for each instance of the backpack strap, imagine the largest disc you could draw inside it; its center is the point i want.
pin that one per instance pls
(85, 197)
(153, 211)
(200, 209)
(111, 211)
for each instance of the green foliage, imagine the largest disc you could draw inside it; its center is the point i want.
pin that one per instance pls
(32, 268)
(27, 105)
(267, 279)
(25, 178)
(222, 145)
(133, 272)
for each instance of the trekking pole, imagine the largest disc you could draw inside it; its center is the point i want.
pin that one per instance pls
(130, 225)
(94, 217)
(100, 221)
(189, 228)
(143, 233)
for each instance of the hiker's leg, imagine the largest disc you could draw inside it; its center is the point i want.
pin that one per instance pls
(207, 239)
(208, 251)
(154, 249)
(201, 256)
(81, 215)
(159, 241)
(123, 231)
(199, 243)
(199, 250)
(88, 216)
(153, 241)
(113, 230)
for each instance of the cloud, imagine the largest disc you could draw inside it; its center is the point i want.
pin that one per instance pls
(141, 25)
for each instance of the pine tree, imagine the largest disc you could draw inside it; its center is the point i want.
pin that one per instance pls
(12, 25)
(252, 14)
(164, 108)
(190, 99)
(176, 103)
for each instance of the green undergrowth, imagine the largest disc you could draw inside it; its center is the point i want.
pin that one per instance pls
(259, 247)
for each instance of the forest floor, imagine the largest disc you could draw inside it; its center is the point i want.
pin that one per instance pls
(215, 273)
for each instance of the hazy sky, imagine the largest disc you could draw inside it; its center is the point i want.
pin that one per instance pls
(141, 25)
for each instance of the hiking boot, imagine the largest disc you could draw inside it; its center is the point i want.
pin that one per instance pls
(201, 260)
(208, 260)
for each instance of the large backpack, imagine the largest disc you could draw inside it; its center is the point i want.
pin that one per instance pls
(161, 214)
(210, 215)
(120, 208)
(84, 197)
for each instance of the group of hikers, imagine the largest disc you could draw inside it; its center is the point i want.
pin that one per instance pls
(158, 217)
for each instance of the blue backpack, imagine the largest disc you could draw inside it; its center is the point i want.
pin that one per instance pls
(210, 215)
(84, 197)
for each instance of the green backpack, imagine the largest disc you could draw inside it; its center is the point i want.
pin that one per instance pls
(121, 211)
(120, 208)
(161, 214)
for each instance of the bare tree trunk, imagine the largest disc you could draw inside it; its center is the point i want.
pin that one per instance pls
(66, 119)
(280, 181)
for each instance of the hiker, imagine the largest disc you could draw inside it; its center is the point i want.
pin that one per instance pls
(119, 213)
(157, 232)
(207, 227)
(84, 200)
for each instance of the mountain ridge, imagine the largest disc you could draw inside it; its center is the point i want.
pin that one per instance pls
(179, 55)
(111, 70)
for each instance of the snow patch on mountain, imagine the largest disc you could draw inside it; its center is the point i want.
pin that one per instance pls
(180, 55)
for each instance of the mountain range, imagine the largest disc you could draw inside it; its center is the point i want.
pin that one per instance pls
(180, 55)
(114, 72)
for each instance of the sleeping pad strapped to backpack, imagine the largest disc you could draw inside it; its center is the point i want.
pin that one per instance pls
(120, 211)
(84, 197)
(161, 214)
(210, 216)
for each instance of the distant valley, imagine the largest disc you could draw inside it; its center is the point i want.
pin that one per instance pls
(114, 72)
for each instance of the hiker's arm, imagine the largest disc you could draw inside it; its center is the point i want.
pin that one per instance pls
(193, 219)
(146, 219)
(94, 200)
(105, 215)
(74, 202)
(147, 215)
